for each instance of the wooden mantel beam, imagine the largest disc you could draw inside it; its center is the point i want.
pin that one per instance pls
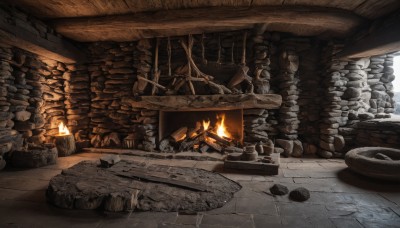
(52, 47)
(333, 20)
(381, 41)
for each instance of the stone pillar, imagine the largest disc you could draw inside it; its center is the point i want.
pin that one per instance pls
(289, 122)
(111, 78)
(256, 125)
(331, 113)
(77, 103)
(53, 109)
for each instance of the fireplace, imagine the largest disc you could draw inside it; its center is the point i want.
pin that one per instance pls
(220, 128)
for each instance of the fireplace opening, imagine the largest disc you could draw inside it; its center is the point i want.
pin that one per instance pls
(202, 131)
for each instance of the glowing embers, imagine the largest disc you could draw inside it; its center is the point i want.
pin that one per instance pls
(62, 129)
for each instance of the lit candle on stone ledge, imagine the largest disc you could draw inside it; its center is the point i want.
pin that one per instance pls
(65, 141)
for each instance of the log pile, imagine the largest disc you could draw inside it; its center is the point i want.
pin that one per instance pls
(200, 138)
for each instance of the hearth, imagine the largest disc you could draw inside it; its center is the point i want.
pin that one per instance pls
(200, 130)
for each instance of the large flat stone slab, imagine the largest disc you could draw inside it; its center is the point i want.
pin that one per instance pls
(88, 186)
(255, 166)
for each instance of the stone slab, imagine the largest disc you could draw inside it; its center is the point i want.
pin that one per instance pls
(264, 168)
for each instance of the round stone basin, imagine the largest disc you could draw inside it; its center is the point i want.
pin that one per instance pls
(363, 161)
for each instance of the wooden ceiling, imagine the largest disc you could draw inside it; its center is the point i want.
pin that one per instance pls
(126, 20)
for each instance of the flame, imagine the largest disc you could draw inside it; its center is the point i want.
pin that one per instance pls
(206, 124)
(221, 128)
(62, 129)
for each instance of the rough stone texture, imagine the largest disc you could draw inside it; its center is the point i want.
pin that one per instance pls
(362, 160)
(299, 194)
(112, 75)
(278, 189)
(86, 186)
(377, 133)
(34, 157)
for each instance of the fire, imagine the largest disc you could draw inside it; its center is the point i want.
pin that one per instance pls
(221, 128)
(62, 129)
(206, 124)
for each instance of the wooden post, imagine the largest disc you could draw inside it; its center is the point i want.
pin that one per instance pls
(65, 145)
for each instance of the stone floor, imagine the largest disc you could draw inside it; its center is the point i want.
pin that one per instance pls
(339, 198)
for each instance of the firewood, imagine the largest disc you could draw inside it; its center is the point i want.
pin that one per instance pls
(151, 82)
(65, 145)
(188, 143)
(179, 134)
(195, 131)
(212, 144)
(204, 148)
(218, 139)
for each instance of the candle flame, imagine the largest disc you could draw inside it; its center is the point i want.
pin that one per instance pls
(62, 129)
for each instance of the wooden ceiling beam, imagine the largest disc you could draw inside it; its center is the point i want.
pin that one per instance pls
(52, 47)
(379, 42)
(334, 20)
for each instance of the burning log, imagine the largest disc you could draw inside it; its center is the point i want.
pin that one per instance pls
(219, 139)
(212, 144)
(180, 134)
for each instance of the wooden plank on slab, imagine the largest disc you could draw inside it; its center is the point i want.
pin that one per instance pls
(142, 175)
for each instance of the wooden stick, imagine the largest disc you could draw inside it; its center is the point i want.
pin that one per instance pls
(232, 58)
(169, 57)
(219, 49)
(189, 56)
(194, 66)
(203, 51)
(244, 49)
(151, 82)
(156, 71)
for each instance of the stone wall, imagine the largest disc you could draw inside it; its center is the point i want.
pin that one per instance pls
(112, 75)
(32, 98)
(356, 91)
(378, 133)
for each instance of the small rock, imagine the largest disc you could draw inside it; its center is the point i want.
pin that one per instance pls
(278, 189)
(381, 156)
(22, 115)
(109, 160)
(299, 194)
